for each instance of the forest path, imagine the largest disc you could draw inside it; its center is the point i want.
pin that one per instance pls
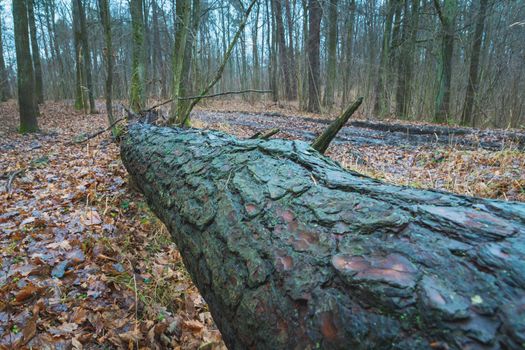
(360, 132)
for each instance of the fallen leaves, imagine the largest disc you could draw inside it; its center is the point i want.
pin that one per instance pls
(83, 263)
(29, 291)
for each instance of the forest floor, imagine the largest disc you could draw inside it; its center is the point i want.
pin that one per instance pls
(85, 264)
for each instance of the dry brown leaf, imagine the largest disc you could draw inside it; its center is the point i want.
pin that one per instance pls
(193, 325)
(27, 292)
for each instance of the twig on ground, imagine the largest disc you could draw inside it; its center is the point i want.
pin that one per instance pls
(12, 176)
(265, 134)
(92, 136)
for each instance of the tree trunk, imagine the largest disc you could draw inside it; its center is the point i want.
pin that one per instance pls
(105, 17)
(467, 116)
(447, 17)
(331, 63)
(185, 83)
(136, 98)
(292, 252)
(291, 51)
(183, 11)
(380, 104)
(80, 96)
(35, 52)
(86, 56)
(405, 67)
(347, 84)
(313, 64)
(27, 99)
(5, 90)
(281, 48)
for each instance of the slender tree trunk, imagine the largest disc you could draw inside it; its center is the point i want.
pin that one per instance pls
(272, 49)
(332, 54)
(303, 100)
(291, 51)
(183, 11)
(35, 52)
(347, 84)
(5, 91)
(81, 102)
(185, 86)
(281, 47)
(403, 94)
(380, 105)
(447, 17)
(256, 77)
(136, 98)
(86, 55)
(468, 117)
(27, 99)
(314, 41)
(105, 17)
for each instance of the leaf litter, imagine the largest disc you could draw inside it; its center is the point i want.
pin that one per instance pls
(84, 264)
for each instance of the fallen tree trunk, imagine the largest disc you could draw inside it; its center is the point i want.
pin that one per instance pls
(292, 252)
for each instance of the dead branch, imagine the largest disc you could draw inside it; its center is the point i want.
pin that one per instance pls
(264, 135)
(12, 177)
(322, 142)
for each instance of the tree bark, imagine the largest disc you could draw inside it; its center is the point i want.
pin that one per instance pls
(380, 101)
(405, 67)
(27, 99)
(292, 252)
(5, 90)
(183, 10)
(35, 52)
(136, 98)
(86, 56)
(105, 18)
(467, 116)
(313, 64)
(331, 63)
(348, 52)
(447, 17)
(282, 49)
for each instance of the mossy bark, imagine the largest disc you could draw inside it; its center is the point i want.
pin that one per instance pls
(292, 252)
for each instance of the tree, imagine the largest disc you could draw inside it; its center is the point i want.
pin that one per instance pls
(284, 58)
(183, 11)
(447, 18)
(468, 117)
(313, 64)
(406, 61)
(35, 52)
(136, 98)
(380, 104)
(27, 99)
(105, 18)
(348, 56)
(331, 63)
(5, 91)
(185, 82)
(291, 251)
(84, 98)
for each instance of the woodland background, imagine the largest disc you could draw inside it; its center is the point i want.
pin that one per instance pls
(452, 61)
